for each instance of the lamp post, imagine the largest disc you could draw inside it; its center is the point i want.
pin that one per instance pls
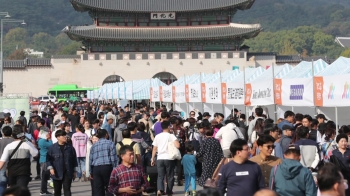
(1, 50)
(6, 14)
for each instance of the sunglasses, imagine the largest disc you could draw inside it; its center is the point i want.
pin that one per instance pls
(270, 146)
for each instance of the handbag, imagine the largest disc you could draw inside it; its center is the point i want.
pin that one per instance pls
(13, 152)
(174, 153)
(213, 181)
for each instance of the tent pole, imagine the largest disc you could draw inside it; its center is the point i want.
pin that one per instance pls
(200, 81)
(187, 105)
(222, 105)
(313, 85)
(244, 90)
(273, 86)
(292, 108)
(336, 118)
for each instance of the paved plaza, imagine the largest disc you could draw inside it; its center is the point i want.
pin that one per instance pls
(84, 189)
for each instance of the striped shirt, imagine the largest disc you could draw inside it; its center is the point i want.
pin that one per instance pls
(103, 152)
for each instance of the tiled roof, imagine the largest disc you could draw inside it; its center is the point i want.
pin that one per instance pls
(39, 62)
(161, 33)
(14, 64)
(288, 59)
(343, 41)
(158, 5)
(65, 56)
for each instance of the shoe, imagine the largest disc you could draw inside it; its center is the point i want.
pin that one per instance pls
(45, 193)
(37, 178)
(51, 184)
(159, 193)
(145, 194)
(186, 194)
(84, 177)
(193, 193)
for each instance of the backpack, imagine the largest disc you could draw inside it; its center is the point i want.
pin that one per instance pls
(195, 143)
(239, 133)
(121, 144)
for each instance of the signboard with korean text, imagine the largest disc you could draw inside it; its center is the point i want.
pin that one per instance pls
(163, 16)
(232, 93)
(154, 94)
(211, 92)
(332, 91)
(193, 93)
(166, 94)
(179, 94)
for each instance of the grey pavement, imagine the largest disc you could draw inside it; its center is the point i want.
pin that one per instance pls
(83, 188)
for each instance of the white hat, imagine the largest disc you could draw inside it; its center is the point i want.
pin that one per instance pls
(110, 116)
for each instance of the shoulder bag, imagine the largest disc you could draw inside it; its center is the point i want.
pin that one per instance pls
(174, 153)
(213, 181)
(13, 152)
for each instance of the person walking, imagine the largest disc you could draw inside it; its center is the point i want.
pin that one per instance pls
(44, 144)
(290, 177)
(189, 162)
(128, 178)
(165, 165)
(103, 158)
(240, 176)
(62, 163)
(18, 155)
(79, 140)
(6, 139)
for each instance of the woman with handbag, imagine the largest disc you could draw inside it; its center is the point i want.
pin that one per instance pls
(211, 152)
(166, 145)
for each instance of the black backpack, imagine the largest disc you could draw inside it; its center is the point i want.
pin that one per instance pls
(121, 144)
(195, 143)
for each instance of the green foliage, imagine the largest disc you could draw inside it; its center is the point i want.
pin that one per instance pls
(305, 40)
(346, 53)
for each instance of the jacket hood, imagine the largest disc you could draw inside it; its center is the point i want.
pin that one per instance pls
(229, 126)
(290, 168)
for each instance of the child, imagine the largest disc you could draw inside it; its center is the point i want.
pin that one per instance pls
(189, 161)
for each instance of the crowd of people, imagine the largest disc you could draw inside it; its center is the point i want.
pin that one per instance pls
(124, 152)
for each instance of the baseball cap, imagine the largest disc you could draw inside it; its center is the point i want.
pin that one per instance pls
(205, 114)
(287, 127)
(119, 106)
(109, 116)
(58, 122)
(321, 116)
(175, 113)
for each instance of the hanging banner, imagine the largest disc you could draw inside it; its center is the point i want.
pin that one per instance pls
(115, 91)
(154, 94)
(232, 93)
(166, 94)
(193, 93)
(259, 93)
(332, 91)
(14, 105)
(211, 93)
(179, 94)
(121, 89)
(292, 92)
(128, 93)
(109, 91)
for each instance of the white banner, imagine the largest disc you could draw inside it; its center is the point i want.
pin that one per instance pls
(193, 93)
(109, 91)
(115, 91)
(211, 93)
(154, 94)
(179, 94)
(232, 93)
(128, 93)
(259, 93)
(294, 92)
(332, 91)
(166, 94)
(121, 91)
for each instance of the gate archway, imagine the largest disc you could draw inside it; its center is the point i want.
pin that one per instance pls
(165, 77)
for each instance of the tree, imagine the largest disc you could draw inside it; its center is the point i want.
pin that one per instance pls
(17, 55)
(71, 49)
(346, 53)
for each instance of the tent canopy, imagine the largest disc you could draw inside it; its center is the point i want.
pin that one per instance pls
(338, 67)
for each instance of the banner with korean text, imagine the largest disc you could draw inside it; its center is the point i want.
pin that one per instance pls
(166, 94)
(259, 93)
(121, 91)
(332, 91)
(232, 93)
(154, 94)
(193, 93)
(179, 94)
(115, 91)
(128, 93)
(211, 93)
(294, 92)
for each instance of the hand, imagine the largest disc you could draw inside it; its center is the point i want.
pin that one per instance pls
(90, 177)
(130, 190)
(52, 172)
(152, 162)
(74, 175)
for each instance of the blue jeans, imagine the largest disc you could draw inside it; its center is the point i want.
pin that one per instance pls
(3, 180)
(81, 166)
(190, 178)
